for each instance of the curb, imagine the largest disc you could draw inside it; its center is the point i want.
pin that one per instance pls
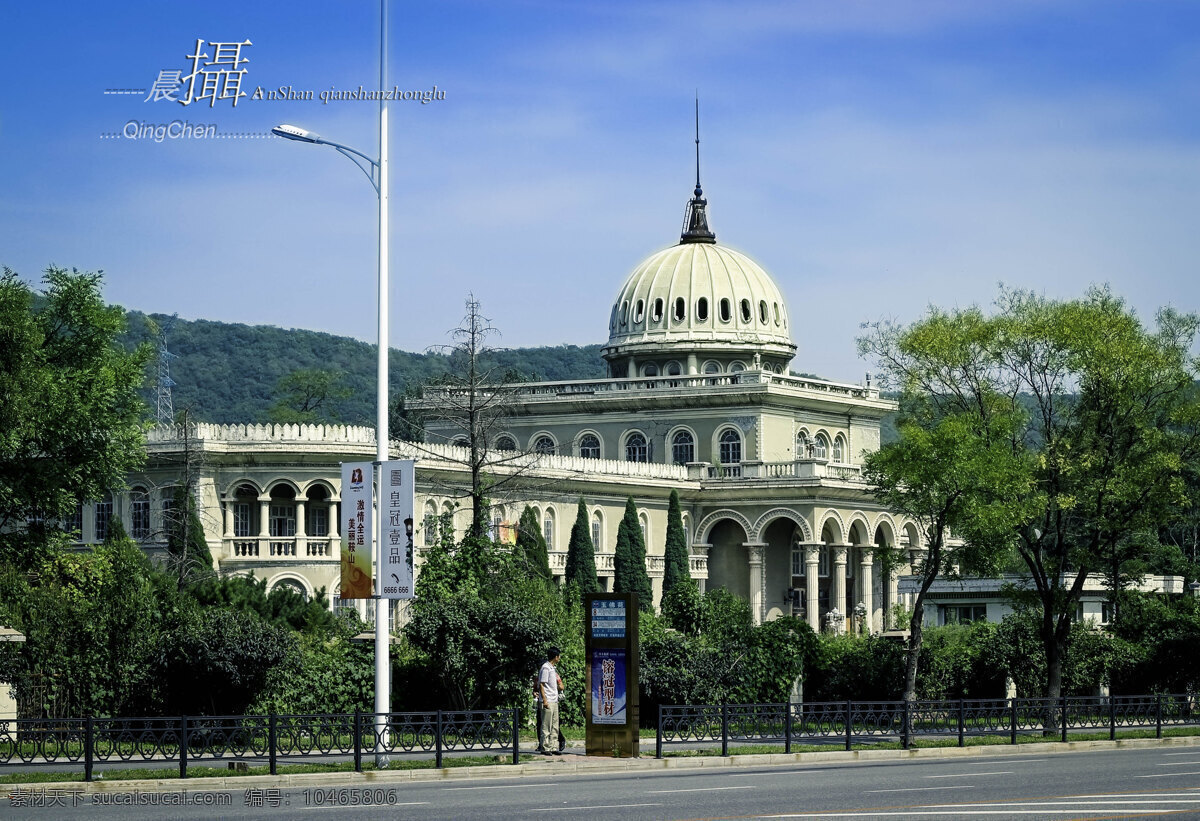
(565, 766)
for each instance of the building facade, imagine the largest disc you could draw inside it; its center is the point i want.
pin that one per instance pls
(698, 399)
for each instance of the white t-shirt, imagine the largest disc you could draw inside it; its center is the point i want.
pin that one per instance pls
(548, 682)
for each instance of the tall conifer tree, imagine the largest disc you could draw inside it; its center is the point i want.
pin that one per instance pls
(629, 562)
(581, 554)
(675, 554)
(531, 544)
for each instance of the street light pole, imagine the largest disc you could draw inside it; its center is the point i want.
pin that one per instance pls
(377, 173)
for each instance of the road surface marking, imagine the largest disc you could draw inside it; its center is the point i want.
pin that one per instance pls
(706, 789)
(968, 775)
(785, 772)
(927, 789)
(593, 807)
(1164, 775)
(500, 787)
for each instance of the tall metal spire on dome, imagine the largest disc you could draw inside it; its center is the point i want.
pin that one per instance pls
(695, 218)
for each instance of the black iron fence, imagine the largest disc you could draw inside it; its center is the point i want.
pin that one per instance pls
(269, 738)
(845, 723)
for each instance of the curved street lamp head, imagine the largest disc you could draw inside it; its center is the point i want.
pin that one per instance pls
(292, 132)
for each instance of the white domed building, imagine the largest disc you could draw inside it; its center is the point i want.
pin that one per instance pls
(698, 399)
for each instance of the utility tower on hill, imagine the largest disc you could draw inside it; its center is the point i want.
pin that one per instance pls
(166, 406)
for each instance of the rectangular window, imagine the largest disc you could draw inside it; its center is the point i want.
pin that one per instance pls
(496, 529)
(73, 524)
(548, 532)
(1105, 612)
(241, 519)
(963, 613)
(318, 521)
(283, 521)
(596, 536)
(344, 608)
(103, 511)
(140, 514)
(430, 528)
(823, 561)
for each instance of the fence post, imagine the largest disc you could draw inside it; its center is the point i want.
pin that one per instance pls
(658, 735)
(848, 714)
(787, 726)
(271, 739)
(1063, 711)
(1012, 703)
(1158, 717)
(357, 741)
(961, 720)
(906, 737)
(88, 743)
(516, 735)
(724, 729)
(1112, 717)
(183, 746)
(438, 742)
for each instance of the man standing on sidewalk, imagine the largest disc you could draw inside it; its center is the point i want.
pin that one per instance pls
(548, 689)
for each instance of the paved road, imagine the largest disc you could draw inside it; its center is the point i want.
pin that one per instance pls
(1100, 784)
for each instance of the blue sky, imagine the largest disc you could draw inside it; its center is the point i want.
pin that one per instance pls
(874, 157)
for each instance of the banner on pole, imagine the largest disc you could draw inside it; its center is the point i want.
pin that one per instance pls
(357, 508)
(397, 500)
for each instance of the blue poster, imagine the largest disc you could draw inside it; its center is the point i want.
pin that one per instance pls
(608, 686)
(608, 619)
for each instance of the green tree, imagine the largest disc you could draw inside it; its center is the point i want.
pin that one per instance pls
(1105, 416)
(531, 545)
(69, 406)
(950, 472)
(308, 395)
(676, 564)
(190, 557)
(629, 559)
(581, 555)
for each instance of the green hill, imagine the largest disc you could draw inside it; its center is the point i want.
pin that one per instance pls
(227, 372)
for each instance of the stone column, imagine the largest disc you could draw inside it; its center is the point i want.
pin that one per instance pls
(812, 604)
(227, 513)
(300, 532)
(838, 599)
(264, 518)
(756, 550)
(866, 583)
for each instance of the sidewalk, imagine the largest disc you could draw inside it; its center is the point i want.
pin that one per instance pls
(574, 762)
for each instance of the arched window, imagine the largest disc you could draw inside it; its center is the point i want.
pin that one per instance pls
(730, 447)
(821, 447)
(712, 367)
(625, 312)
(139, 513)
(316, 512)
(597, 532)
(726, 313)
(544, 445)
(683, 448)
(839, 448)
(589, 446)
(505, 442)
(430, 526)
(736, 367)
(762, 311)
(650, 370)
(636, 449)
(244, 507)
(803, 445)
(645, 523)
(674, 369)
(776, 307)
(657, 313)
(282, 522)
(702, 309)
(639, 312)
(680, 308)
(461, 442)
(102, 512)
(548, 528)
(746, 317)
